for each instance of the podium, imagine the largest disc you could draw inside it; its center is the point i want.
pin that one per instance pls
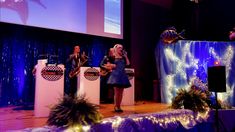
(49, 87)
(88, 84)
(129, 93)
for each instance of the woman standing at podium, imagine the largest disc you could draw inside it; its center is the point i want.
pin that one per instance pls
(75, 61)
(118, 78)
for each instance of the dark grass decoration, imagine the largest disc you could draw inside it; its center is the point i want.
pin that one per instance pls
(194, 99)
(197, 99)
(75, 111)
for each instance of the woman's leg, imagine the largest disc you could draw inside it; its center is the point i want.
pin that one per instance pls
(120, 95)
(118, 98)
(115, 96)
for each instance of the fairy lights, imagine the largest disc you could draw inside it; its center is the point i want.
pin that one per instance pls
(117, 122)
(227, 60)
(186, 66)
(168, 120)
(86, 128)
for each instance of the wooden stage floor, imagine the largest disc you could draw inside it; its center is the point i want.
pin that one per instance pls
(15, 118)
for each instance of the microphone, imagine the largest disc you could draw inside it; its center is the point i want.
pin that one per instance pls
(124, 52)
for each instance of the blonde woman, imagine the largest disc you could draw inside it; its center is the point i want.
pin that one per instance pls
(118, 78)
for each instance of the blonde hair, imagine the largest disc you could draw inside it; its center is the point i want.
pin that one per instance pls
(115, 47)
(111, 51)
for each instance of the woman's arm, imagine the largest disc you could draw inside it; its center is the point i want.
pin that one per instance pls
(126, 58)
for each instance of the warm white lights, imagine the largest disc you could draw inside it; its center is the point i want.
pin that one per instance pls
(183, 67)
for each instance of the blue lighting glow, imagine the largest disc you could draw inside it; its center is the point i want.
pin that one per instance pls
(181, 63)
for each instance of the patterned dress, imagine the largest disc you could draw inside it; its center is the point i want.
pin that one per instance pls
(118, 77)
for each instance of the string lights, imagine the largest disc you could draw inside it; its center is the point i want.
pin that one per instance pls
(168, 120)
(185, 67)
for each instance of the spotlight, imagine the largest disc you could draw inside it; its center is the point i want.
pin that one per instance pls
(216, 63)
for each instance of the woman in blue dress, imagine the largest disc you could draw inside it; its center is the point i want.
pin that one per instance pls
(118, 78)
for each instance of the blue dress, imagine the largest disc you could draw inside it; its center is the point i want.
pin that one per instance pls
(118, 77)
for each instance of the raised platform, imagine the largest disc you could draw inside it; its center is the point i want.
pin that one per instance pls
(144, 116)
(18, 117)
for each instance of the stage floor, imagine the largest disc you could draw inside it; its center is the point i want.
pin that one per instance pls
(16, 118)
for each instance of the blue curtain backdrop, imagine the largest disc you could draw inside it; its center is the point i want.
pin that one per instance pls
(180, 63)
(21, 47)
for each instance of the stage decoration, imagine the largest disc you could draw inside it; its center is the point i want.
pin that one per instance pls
(194, 99)
(171, 120)
(130, 74)
(74, 113)
(91, 74)
(186, 60)
(232, 34)
(52, 73)
(170, 35)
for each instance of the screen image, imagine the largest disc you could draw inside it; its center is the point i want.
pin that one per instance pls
(94, 17)
(112, 16)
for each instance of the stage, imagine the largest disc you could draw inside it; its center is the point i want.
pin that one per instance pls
(18, 117)
(143, 116)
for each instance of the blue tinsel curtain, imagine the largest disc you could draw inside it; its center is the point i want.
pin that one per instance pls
(20, 54)
(180, 62)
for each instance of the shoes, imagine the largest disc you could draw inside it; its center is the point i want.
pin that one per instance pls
(118, 110)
